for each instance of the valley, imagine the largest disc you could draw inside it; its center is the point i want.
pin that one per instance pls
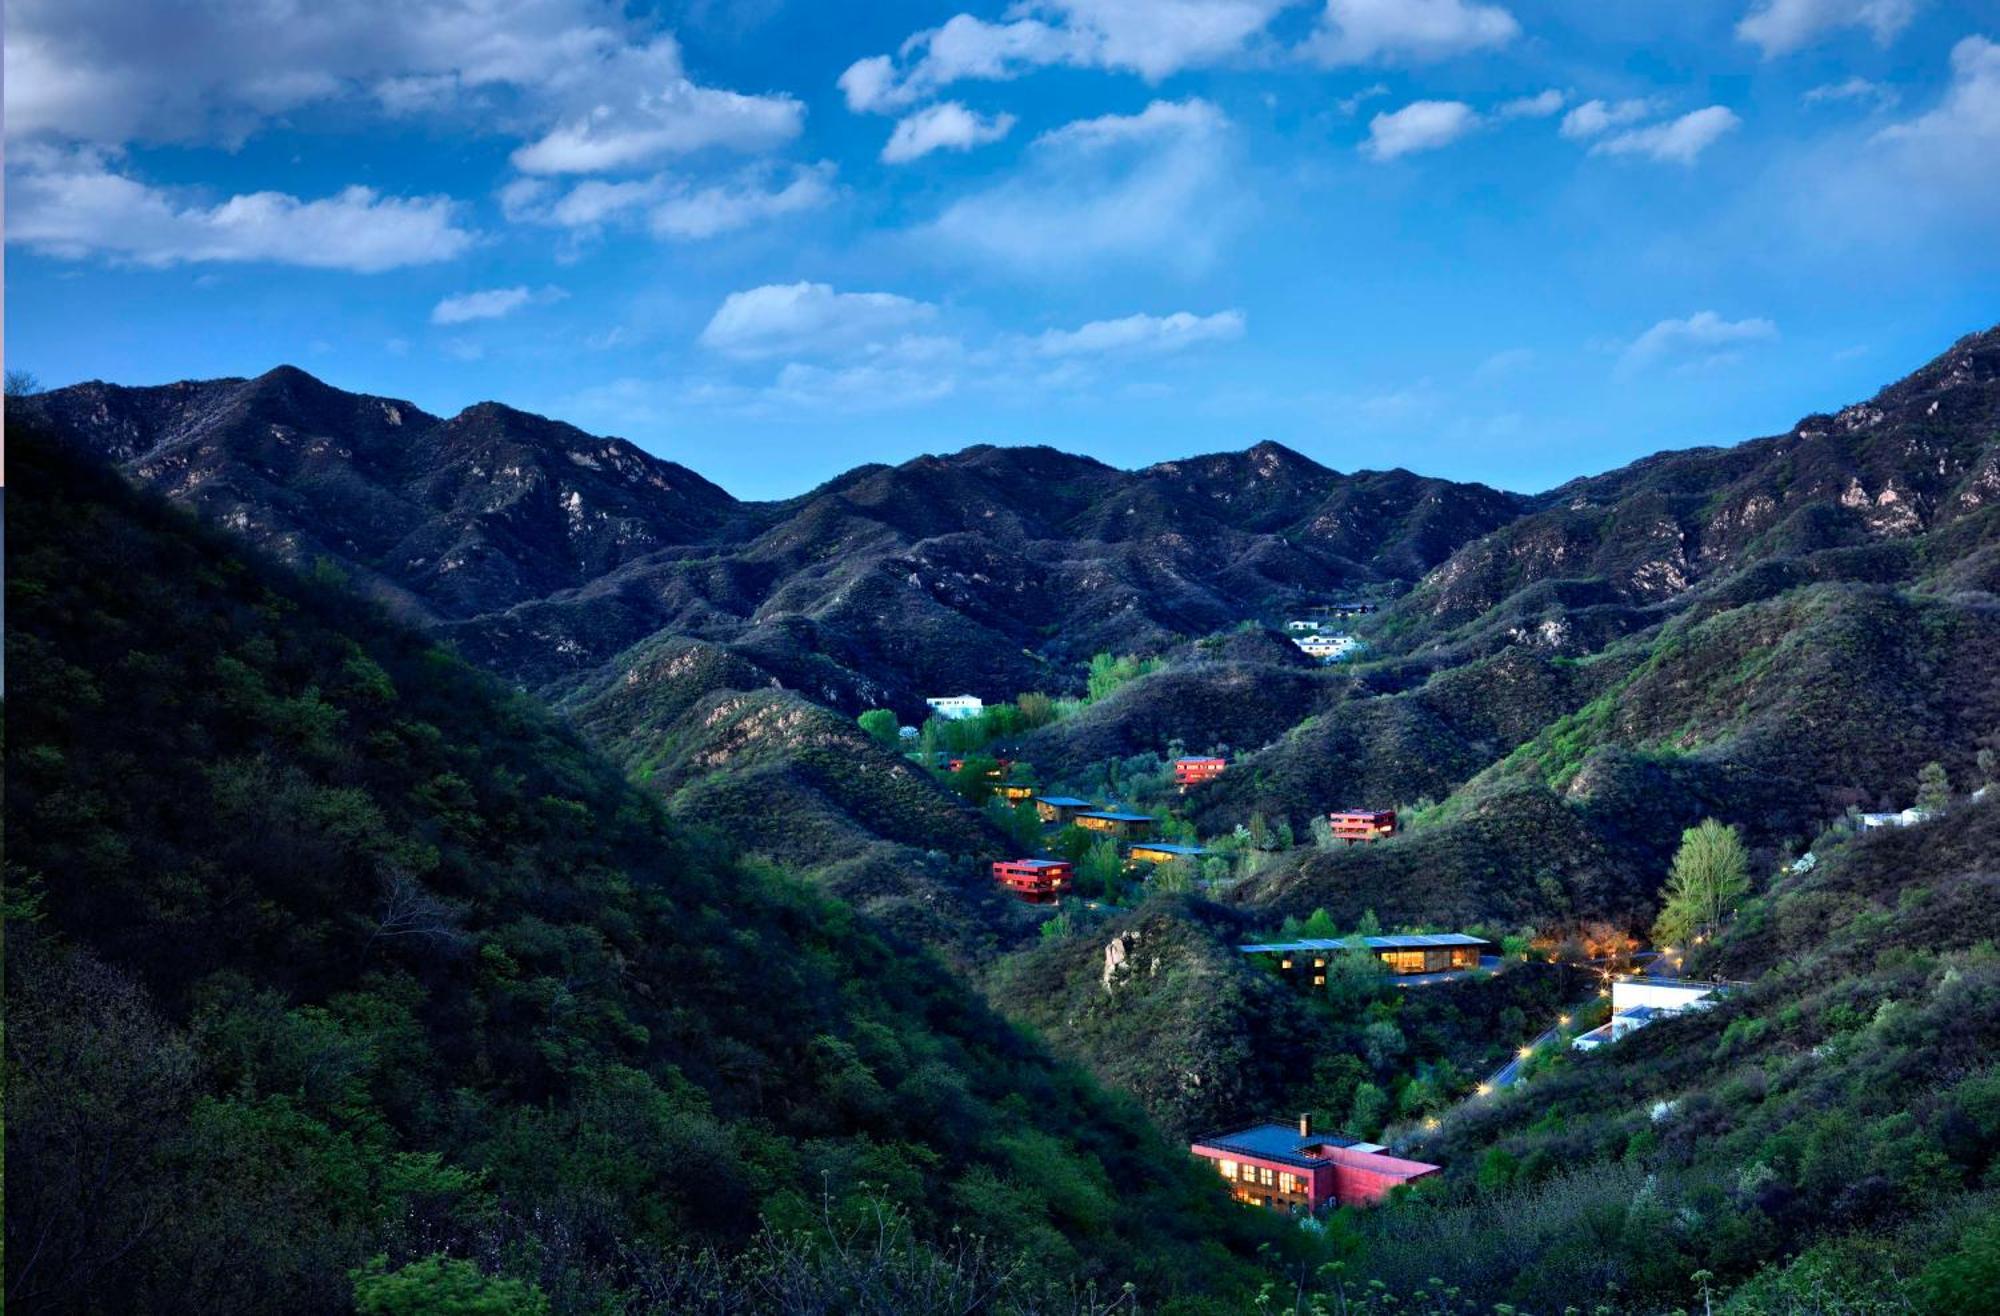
(584, 864)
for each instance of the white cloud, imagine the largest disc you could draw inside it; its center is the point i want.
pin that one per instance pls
(1782, 26)
(1504, 363)
(1418, 126)
(1153, 38)
(1679, 141)
(1141, 334)
(1594, 117)
(1152, 185)
(70, 203)
(490, 304)
(722, 208)
(869, 386)
(1406, 31)
(1964, 130)
(1853, 89)
(1350, 105)
(669, 206)
(660, 113)
(946, 126)
(803, 318)
(594, 87)
(1702, 339)
(1538, 106)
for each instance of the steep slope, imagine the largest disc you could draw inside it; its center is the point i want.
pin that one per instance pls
(322, 946)
(544, 553)
(1832, 495)
(1840, 1113)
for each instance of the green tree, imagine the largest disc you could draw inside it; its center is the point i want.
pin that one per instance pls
(1101, 869)
(1175, 877)
(1037, 710)
(1966, 1282)
(1711, 873)
(1371, 1108)
(438, 1285)
(1933, 788)
(881, 724)
(1988, 762)
(1497, 1170)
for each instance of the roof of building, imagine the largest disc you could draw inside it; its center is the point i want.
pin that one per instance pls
(1115, 816)
(1063, 801)
(1038, 863)
(1409, 941)
(1201, 758)
(1163, 848)
(1276, 1142)
(1640, 1013)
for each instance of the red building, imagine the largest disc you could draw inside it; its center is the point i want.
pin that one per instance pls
(1362, 824)
(1286, 1167)
(998, 772)
(1193, 772)
(1037, 881)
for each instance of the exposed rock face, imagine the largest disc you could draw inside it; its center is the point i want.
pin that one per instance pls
(1117, 958)
(1921, 454)
(543, 552)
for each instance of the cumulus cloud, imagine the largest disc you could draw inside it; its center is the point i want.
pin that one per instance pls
(1782, 26)
(1418, 126)
(1539, 106)
(1677, 141)
(669, 206)
(946, 126)
(1141, 334)
(1701, 339)
(1964, 129)
(643, 108)
(490, 304)
(72, 204)
(591, 86)
(1406, 31)
(1594, 117)
(781, 319)
(1149, 186)
(1153, 38)
(1853, 89)
(1348, 106)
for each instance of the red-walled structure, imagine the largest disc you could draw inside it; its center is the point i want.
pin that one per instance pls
(1193, 772)
(1286, 1167)
(1352, 825)
(1037, 881)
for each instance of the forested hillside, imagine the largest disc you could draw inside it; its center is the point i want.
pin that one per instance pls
(323, 948)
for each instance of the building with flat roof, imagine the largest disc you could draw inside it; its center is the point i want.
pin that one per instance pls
(1194, 771)
(1290, 1167)
(1125, 826)
(1305, 961)
(953, 707)
(1037, 881)
(1161, 852)
(1637, 1002)
(1356, 825)
(1060, 808)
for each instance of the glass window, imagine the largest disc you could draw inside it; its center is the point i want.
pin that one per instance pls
(1228, 1169)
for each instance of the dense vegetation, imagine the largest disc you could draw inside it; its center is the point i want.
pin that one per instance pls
(323, 948)
(1834, 1126)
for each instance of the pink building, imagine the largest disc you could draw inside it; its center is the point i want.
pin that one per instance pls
(1287, 1166)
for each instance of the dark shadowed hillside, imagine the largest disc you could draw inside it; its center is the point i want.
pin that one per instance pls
(544, 552)
(323, 947)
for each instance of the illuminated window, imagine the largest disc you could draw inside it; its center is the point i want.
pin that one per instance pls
(1319, 963)
(1288, 1182)
(1284, 964)
(1228, 1169)
(1264, 1175)
(1319, 980)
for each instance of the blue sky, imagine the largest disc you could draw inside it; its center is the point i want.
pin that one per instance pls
(1511, 241)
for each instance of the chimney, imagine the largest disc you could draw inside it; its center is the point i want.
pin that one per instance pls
(1306, 1125)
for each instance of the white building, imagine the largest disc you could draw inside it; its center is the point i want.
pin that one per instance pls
(954, 707)
(1636, 1002)
(1907, 818)
(1327, 648)
(1302, 628)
